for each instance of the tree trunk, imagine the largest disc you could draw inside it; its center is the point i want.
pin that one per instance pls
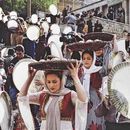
(28, 8)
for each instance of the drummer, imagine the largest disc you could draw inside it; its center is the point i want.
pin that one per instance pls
(20, 54)
(114, 120)
(12, 90)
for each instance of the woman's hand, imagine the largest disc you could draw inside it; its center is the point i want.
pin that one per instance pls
(106, 101)
(74, 69)
(79, 88)
(31, 72)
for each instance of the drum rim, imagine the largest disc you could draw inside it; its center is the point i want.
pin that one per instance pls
(110, 79)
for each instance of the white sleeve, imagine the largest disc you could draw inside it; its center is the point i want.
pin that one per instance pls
(81, 110)
(24, 107)
(73, 97)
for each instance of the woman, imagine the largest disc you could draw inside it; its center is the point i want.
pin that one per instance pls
(91, 80)
(59, 106)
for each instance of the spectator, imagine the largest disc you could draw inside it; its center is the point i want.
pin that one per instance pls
(64, 14)
(71, 20)
(2, 70)
(120, 15)
(20, 54)
(29, 47)
(90, 25)
(98, 27)
(8, 58)
(80, 24)
(110, 14)
(114, 119)
(19, 50)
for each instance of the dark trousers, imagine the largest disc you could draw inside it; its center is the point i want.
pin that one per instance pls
(117, 126)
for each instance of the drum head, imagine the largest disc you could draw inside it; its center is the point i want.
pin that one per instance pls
(121, 46)
(67, 30)
(5, 18)
(4, 52)
(33, 32)
(20, 72)
(118, 88)
(12, 24)
(34, 18)
(45, 26)
(55, 46)
(55, 29)
(13, 15)
(53, 9)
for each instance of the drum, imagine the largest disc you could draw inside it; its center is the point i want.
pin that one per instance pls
(4, 52)
(55, 29)
(121, 46)
(20, 74)
(24, 120)
(13, 15)
(55, 46)
(53, 9)
(6, 122)
(34, 18)
(45, 26)
(33, 32)
(118, 88)
(12, 25)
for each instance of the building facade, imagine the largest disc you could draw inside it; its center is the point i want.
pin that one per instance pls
(103, 6)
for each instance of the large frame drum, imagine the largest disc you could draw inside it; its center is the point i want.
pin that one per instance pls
(6, 122)
(118, 88)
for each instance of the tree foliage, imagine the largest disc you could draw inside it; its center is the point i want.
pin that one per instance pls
(19, 5)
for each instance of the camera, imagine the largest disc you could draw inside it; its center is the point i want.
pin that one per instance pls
(68, 38)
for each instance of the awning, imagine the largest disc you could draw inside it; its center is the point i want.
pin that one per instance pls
(113, 2)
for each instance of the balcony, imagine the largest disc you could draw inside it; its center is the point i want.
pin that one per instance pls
(111, 26)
